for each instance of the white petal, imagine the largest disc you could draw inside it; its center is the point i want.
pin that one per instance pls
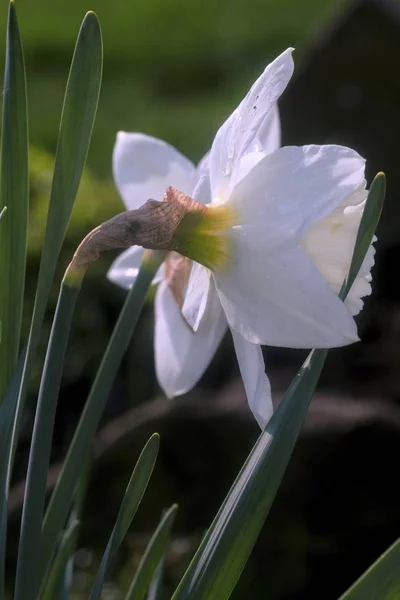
(247, 164)
(292, 188)
(125, 268)
(144, 167)
(330, 244)
(281, 299)
(269, 134)
(237, 134)
(202, 191)
(181, 355)
(203, 164)
(196, 297)
(255, 381)
(267, 141)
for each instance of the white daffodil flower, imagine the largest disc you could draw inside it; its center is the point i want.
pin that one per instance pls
(143, 168)
(271, 247)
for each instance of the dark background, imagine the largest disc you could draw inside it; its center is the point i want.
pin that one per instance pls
(175, 70)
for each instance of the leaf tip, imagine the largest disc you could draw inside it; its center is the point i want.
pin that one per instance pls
(12, 11)
(92, 16)
(380, 178)
(11, 8)
(379, 183)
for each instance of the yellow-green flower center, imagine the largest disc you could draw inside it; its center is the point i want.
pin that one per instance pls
(204, 235)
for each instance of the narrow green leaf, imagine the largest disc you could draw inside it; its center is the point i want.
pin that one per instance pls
(75, 515)
(27, 583)
(78, 114)
(152, 556)
(133, 496)
(156, 591)
(7, 410)
(381, 581)
(369, 222)
(53, 587)
(14, 195)
(79, 449)
(2, 213)
(227, 545)
(223, 553)
(7, 415)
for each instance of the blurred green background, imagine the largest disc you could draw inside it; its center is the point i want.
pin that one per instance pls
(176, 69)
(172, 69)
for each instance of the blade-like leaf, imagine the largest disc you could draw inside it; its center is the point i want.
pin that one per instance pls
(75, 515)
(156, 585)
(27, 583)
(14, 195)
(369, 222)
(3, 212)
(53, 588)
(79, 449)
(7, 416)
(78, 114)
(381, 580)
(227, 545)
(133, 496)
(152, 556)
(7, 410)
(224, 551)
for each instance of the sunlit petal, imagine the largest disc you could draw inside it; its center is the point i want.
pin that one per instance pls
(269, 134)
(181, 355)
(281, 299)
(202, 191)
(144, 167)
(203, 164)
(125, 268)
(330, 244)
(292, 188)
(196, 298)
(235, 137)
(255, 381)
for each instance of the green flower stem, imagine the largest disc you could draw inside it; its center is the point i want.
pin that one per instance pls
(61, 498)
(27, 583)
